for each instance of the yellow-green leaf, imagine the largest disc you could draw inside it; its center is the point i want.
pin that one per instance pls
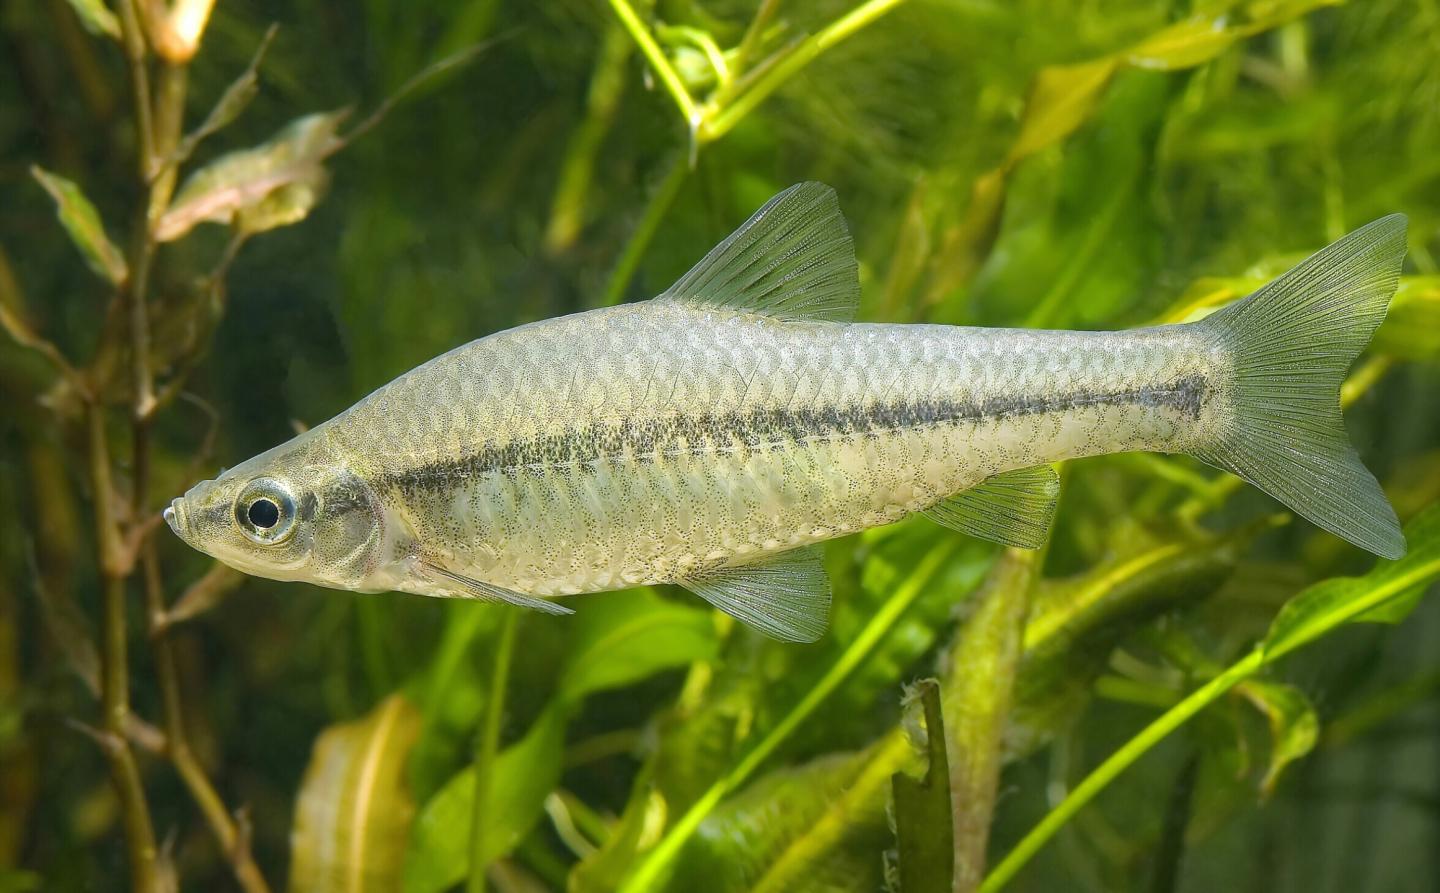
(270, 185)
(524, 774)
(1060, 102)
(1341, 600)
(353, 814)
(1184, 44)
(1294, 726)
(82, 222)
(631, 635)
(1394, 610)
(96, 17)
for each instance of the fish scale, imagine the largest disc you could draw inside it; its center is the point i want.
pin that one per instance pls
(706, 498)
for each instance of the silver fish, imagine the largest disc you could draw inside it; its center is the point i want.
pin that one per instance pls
(711, 436)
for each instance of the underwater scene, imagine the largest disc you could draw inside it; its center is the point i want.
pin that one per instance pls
(719, 446)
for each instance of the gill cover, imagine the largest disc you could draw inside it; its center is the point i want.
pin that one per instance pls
(296, 512)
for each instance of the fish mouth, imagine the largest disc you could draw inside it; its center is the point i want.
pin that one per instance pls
(175, 516)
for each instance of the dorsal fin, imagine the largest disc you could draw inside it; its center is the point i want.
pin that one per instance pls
(785, 597)
(793, 259)
(1014, 508)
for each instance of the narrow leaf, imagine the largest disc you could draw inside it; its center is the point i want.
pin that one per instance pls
(82, 222)
(96, 17)
(1184, 44)
(1294, 727)
(1396, 609)
(631, 635)
(813, 827)
(270, 185)
(923, 811)
(524, 775)
(1310, 615)
(231, 103)
(353, 813)
(1331, 603)
(1059, 103)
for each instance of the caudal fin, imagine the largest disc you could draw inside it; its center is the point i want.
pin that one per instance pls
(1288, 346)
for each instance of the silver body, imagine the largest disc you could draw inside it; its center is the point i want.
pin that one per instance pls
(646, 443)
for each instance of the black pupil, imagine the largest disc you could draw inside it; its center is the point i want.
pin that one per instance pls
(264, 514)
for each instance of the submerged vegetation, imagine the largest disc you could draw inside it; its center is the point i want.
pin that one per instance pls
(1186, 689)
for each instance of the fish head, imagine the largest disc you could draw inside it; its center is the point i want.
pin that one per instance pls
(296, 512)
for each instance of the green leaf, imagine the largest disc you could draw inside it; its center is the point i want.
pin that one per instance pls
(525, 774)
(1076, 622)
(619, 640)
(353, 813)
(1184, 44)
(1311, 614)
(602, 870)
(924, 815)
(815, 827)
(628, 636)
(1294, 727)
(1060, 101)
(82, 222)
(273, 184)
(1198, 39)
(1412, 328)
(1340, 600)
(230, 104)
(453, 696)
(1396, 609)
(96, 17)
(659, 862)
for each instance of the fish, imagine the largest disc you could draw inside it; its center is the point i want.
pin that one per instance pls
(714, 436)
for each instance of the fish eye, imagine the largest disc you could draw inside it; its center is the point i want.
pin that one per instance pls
(265, 511)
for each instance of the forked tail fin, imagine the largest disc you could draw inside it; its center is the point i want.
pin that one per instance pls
(1288, 347)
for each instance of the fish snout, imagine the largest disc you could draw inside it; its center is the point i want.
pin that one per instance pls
(175, 516)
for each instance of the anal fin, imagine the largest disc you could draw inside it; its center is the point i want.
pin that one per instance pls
(786, 597)
(1013, 509)
(488, 592)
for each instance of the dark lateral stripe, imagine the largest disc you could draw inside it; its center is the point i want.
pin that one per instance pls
(646, 440)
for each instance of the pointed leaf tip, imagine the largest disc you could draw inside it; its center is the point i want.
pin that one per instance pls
(80, 219)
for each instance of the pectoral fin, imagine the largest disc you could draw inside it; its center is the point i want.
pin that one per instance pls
(1014, 508)
(786, 597)
(481, 591)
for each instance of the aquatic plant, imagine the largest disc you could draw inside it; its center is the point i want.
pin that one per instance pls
(1177, 693)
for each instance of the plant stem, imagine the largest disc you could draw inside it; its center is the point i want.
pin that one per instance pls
(1118, 762)
(652, 870)
(177, 740)
(486, 746)
(159, 118)
(977, 691)
(607, 86)
(808, 51)
(655, 211)
(667, 73)
(114, 674)
(1422, 573)
(748, 45)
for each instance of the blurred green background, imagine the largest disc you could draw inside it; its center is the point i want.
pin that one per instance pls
(1098, 164)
